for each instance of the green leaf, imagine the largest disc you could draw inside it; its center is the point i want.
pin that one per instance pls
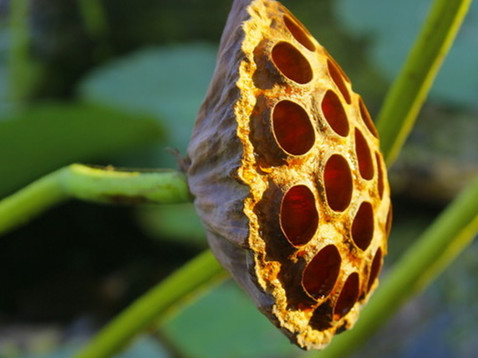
(42, 138)
(168, 82)
(225, 323)
(391, 37)
(145, 347)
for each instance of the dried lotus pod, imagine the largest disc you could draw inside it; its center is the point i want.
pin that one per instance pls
(287, 176)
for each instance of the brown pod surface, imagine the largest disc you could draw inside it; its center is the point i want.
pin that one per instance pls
(287, 176)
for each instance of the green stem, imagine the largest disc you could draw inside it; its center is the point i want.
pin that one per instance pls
(109, 185)
(198, 275)
(408, 92)
(30, 201)
(104, 185)
(437, 247)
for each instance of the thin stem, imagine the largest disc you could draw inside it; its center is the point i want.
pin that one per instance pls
(104, 185)
(408, 92)
(437, 247)
(196, 276)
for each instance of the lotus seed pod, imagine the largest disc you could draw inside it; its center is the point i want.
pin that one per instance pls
(287, 176)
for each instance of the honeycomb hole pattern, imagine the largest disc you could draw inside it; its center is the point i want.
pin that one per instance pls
(304, 147)
(338, 183)
(298, 215)
(363, 156)
(348, 296)
(366, 118)
(338, 80)
(363, 226)
(292, 128)
(291, 63)
(375, 269)
(334, 113)
(320, 275)
(299, 33)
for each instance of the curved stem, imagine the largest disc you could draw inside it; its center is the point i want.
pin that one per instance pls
(105, 185)
(30, 201)
(437, 247)
(409, 90)
(199, 274)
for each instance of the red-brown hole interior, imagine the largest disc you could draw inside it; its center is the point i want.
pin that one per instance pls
(334, 113)
(375, 269)
(321, 273)
(292, 128)
(299, 33)
(388, 224)
(339, 80)
(366, 118)
(363, 225)
(338, 182)
(298, 215)
(291, 63)
(380, 176)
(364, 156)
(339, 69)
(348, 296)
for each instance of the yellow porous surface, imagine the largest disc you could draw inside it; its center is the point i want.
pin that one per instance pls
(288, 177)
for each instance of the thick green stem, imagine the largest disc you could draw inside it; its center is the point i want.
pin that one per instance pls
(104, 185)
(408, 92)
(438, 246)
(110, 185)
(198, 275)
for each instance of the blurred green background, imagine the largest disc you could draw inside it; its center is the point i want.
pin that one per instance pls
(119, 81)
